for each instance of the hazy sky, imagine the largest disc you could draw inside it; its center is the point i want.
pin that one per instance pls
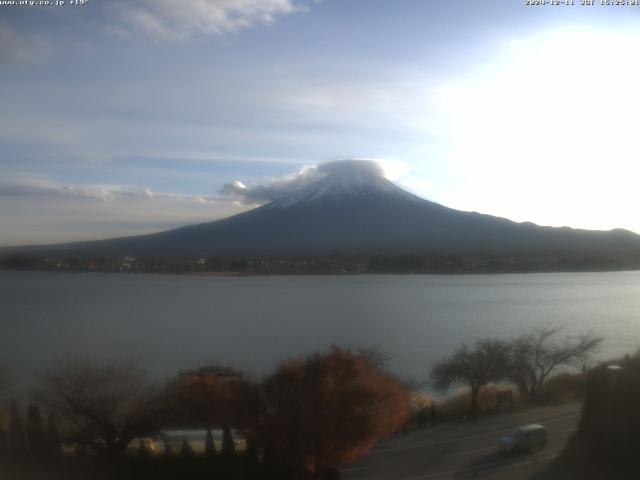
(121, 117)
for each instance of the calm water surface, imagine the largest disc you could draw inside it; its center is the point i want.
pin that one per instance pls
(172, 322)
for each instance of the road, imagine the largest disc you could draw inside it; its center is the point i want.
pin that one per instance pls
(465, 449)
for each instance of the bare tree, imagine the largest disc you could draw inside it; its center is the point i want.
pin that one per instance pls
(377, 356)
(103, 405)
(537, 353)
(486, 361)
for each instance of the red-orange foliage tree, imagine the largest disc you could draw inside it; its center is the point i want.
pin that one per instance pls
(329, 409)
(216, 403)
(205, 404)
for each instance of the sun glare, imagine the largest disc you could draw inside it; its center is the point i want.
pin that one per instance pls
(556, 113)
(393, 169)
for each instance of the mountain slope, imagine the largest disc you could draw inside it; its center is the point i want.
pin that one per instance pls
(358, 211)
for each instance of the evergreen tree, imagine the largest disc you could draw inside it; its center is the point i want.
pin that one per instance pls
(143, 450)
(17, 437)
(250, 457)
(228, 445)
(168, 451)
(186, 452)
(81, 452)
(53, 445)
(35, 432)
(209, 446)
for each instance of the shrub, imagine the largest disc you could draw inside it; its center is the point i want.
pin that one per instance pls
(565, 387)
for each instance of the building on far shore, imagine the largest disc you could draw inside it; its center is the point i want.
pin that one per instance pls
(211, 373)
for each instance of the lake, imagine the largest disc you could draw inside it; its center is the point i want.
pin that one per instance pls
(174, 322)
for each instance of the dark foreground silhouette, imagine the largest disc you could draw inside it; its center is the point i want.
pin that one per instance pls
(303, 421)
(156, 469)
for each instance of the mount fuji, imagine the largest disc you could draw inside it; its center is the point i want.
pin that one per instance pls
(353, 209)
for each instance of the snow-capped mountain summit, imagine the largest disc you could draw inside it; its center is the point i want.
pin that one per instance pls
(346, 179)
(351, 208)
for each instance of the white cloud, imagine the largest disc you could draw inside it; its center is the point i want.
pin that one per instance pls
(33, 220)
(43, 188)
(177, 19)
(38, 210)
(256, 194)
(18, 48)
(36, 187)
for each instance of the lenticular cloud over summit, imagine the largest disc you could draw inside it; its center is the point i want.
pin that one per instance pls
(282, 186)
(352, 167)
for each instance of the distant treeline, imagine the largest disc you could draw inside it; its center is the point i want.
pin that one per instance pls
(500, 263)
(331, 264)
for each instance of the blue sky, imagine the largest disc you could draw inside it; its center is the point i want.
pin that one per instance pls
(129, 117)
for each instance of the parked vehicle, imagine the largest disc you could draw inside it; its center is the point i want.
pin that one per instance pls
(527, 438)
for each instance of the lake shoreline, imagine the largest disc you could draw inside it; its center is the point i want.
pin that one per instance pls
(325, 274)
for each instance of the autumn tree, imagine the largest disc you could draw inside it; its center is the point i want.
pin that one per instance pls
(204, 402)
(105, 406)
(329, 409)
(484, 362)
(538, 353)
(211, 402)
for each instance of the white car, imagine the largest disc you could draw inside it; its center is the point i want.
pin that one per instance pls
(527, 439)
